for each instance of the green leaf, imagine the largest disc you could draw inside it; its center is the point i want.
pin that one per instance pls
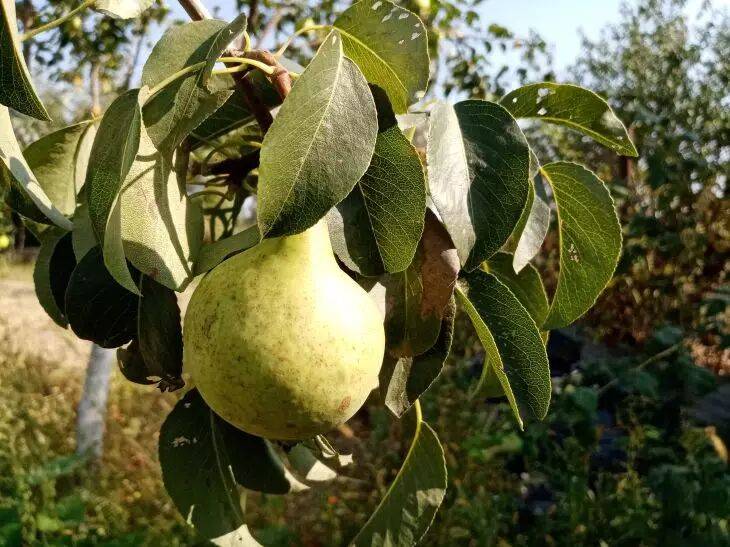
(478, 175)
(376, 228)
(186, 102)
(52, 273)
(21, 174)
(319, 145)
(511, 339)
(416, 299)
(83, 235)
(212, 254)
(241, 537)
(390, 45)
(404, 380)
(573, 107)
(132, 365)
(590, 240)
(59, 161)
(204, 459)
(122, 9)
(407, 510)
(306, 464)
(159, 333)
(526, 285)
(16, 87)
(97, 307)
(115, 146)
(160, 229)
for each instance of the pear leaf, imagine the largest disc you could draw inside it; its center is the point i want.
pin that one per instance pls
(416, 299)
(390, 45)
(97, 307)
(408, 508)
(83, 233)
(478, 175)
(573, 107)
(405, 379)
(59, 161)
(512, 341)
(319, 145)
(526, 285)
(180, 107)
(161, 229)
(376, 228)
(306, 464)
(241, 537)
(14, 165)
(212, 254)
(159, 333)
(122, 9)
(16, 86)
(590, 240)
(52, 272)
(204, 459)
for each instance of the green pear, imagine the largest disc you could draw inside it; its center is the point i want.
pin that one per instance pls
(280, 342)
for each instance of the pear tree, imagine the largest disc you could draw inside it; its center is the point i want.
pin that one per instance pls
(379, 212)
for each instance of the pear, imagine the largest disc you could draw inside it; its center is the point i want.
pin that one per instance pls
(282, 343)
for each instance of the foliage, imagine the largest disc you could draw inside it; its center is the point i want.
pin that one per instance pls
(130, 235)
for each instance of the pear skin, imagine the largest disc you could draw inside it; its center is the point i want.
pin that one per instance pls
(280, 342)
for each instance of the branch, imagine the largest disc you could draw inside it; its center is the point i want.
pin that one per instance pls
(195, 9)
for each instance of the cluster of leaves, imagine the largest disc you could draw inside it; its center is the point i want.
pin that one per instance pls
(121, 232)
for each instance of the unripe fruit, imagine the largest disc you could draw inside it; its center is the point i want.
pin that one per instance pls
(280, 342)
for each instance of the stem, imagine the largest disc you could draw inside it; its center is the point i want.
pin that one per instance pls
(244, 65)
(179, 74)
(653, 359)
(208, 193)
(56, 22)
(301, 31)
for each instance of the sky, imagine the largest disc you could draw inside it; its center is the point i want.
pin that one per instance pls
(559, 22)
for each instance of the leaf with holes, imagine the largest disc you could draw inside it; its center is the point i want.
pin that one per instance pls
(478, 175)
(172, 113)
(390, 45)
(16, 170)
(590, 240)
(376, 228)
(204, 459)
(573, 107)
(16, 87)
(319, 145)
(511, 339)
(407, 510)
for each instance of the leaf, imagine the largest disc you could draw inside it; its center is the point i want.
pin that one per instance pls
(212, 254)
(52, 272)
(511, 339)
(97, 307)
(573, 107)
(308, 466)
(122, 9)
(185, 103)
(59, 161)
(115, 146)
(535, 228)
(390, 45)
(319, 145)
(204, 458)
(161, 229)
(526, 285)
(83, 234)
(14, 161)
(16, 87)
(404, 380)
(407, 510)
(241, 537)
(132, 365)
(159, 333)
(376, 228)
(416, 299)
(590, 240)
(478, 175)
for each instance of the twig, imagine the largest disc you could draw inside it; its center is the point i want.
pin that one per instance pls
(653, 359)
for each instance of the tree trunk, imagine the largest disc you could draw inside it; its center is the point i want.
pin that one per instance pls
(92, 406)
